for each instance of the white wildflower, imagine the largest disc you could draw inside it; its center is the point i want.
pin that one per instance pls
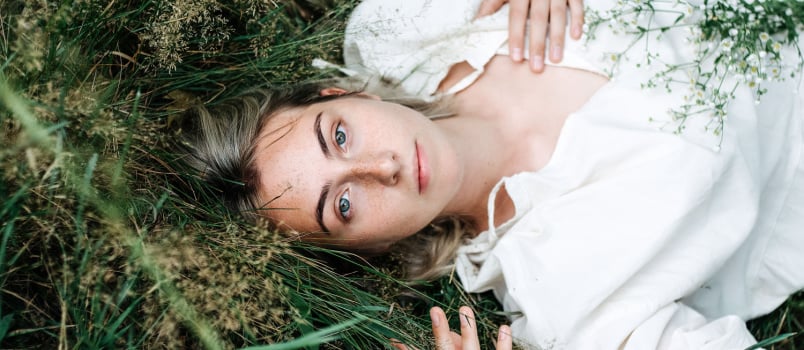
(776, 46)
(727, 44)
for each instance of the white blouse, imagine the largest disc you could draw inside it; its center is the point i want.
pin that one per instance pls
(631, 237)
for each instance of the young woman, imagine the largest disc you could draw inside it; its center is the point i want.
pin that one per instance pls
(567, 193)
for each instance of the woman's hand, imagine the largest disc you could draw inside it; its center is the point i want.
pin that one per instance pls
(543, 14)
(467, 340)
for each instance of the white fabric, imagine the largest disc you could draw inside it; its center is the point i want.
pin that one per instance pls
(631, 237)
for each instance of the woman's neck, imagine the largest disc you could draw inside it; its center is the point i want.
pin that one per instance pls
(507, 122)
(482, 154)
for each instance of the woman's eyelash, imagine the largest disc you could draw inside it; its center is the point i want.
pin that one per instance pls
(345, 206)
(340, 136)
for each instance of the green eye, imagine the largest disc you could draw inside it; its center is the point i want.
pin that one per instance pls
(340, 136)
(345, 206)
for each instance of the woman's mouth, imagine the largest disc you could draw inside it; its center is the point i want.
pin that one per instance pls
(423, 169)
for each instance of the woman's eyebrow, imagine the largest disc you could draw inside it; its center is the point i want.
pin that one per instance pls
(319, 209)
(321, 141)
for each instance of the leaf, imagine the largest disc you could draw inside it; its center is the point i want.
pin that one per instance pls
(311, 339)
(5, 322)
(770, 341)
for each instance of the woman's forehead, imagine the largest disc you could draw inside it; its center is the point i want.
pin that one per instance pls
(288, 161)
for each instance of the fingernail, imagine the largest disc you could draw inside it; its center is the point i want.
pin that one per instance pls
(516, 54)
(435, 318)
(555, 53)
(502, 335)
(537, 63)
(576, 32)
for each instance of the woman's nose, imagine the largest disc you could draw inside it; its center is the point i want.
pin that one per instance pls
(383, 167)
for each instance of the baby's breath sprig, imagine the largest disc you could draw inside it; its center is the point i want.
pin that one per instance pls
(737, 42)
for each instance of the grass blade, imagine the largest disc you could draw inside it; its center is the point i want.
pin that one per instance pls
(312, 339)
(770, 341)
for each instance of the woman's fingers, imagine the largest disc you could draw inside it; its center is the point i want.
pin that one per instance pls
(576, 18)
(443, 336)
(469, 338)
(543, 15)
(398, 345)
(539, 19)
(504, 339)
(558, 26)
(488, 7)
(517, 21)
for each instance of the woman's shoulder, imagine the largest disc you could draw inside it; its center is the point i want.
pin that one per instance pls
(370, 10)
(412, 44)
(397, 20)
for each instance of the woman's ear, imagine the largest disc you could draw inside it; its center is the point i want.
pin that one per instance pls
(332, 91)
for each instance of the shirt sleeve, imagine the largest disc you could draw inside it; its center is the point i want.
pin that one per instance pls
(411, 45)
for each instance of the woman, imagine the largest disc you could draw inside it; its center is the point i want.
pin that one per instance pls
(566, 193)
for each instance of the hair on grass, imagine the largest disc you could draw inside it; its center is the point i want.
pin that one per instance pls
(430, 253)
(220, 141)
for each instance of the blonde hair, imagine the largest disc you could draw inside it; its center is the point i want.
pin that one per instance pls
(221, 139)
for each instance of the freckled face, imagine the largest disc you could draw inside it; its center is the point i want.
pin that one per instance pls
(355, 172)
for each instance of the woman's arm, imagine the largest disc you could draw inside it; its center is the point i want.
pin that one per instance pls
(546, 16)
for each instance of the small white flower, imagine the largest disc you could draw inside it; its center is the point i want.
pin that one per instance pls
(764, 36)
(776, 46)
(726, 45)
(733, 32)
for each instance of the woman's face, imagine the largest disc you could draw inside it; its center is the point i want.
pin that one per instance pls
(355, 172)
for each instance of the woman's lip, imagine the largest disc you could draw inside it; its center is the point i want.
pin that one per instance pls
(423, 169)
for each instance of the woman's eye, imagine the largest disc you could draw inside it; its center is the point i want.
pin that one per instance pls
(340, 136)
(345, 206)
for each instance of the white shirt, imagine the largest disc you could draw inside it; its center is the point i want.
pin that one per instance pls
(631, 236)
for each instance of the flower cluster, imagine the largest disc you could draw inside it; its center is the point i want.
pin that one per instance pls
(172, 25)
(738, 43)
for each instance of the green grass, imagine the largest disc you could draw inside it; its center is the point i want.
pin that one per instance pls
(106, 243)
